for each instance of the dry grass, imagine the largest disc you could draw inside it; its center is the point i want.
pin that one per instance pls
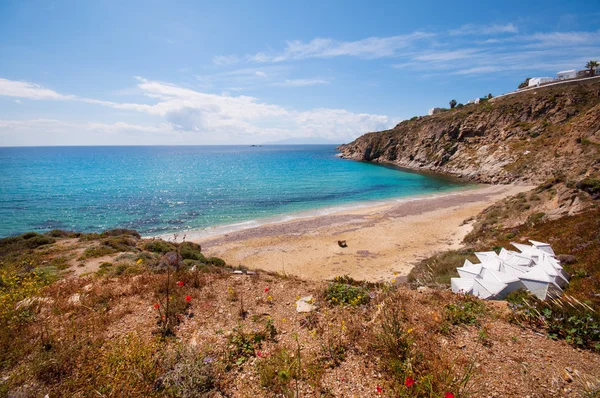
(100, 335)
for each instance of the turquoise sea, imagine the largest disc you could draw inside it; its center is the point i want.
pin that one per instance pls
(159, 190)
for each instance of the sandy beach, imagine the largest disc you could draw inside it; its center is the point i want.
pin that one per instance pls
(383, 241)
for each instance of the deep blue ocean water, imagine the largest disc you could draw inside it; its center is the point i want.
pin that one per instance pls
(158, 190)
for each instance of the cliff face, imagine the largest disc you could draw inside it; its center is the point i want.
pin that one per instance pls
(524, 138)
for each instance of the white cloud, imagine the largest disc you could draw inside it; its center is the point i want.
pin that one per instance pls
(543, 53)
(561, 39)
(203, 117)
(447, 55)
(471, 49)
(372, 47)
(300, 82)
(474, 29)
(13, 88)
(336, 123)
(225, 60)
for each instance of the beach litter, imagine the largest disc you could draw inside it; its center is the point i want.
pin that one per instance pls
(534, 268)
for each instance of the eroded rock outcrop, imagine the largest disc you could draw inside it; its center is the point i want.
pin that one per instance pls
(527, 138)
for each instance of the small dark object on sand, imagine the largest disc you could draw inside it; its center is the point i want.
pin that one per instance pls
(342, 243)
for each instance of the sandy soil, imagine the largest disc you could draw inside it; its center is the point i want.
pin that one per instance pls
(383, 241)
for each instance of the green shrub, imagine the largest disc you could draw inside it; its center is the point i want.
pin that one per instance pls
(188, 374)
(17, 244)
(191, 251)
(216, 261)
(121, 268)
(60, 263)
(59, 233)
(535, 217)
(393, 342)
(97, 251)
(276, 370)
(159, 246)
(243, 345)
(343, 294)
(89, 237)
(120, 232)
(518, 296)
(466, 311)
(564, 318)
(122, 243)
(590, 185)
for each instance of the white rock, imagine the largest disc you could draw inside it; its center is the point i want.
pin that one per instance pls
(75, 299)
(305, 304)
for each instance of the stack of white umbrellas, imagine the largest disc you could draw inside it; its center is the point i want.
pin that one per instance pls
(534, 268)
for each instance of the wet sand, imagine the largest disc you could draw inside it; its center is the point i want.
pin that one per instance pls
(383, 241)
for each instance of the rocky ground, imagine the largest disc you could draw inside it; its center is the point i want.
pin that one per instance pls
(240, 334)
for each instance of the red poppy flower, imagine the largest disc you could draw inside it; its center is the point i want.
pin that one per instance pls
(180, 283)
(379, 390)
(448, 395)
(266, 289)
(157, 306)
(409, 381)
(188, 299)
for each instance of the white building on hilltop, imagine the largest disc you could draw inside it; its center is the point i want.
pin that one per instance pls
(566, 74)
(433, 111)
(536, 81)
(535, 268)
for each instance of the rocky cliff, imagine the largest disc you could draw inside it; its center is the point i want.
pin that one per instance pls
(528, 137)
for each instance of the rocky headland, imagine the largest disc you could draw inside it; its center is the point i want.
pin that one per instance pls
(527, 137)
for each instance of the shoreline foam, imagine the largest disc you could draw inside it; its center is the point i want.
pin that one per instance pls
(222, 229)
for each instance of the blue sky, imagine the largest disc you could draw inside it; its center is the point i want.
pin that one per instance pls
(246, 72)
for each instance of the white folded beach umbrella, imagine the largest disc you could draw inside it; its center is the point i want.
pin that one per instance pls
(469, 270)
(545, 247)
(513, 270)
(511, 282)
(487, 289)
(514, 258)
(537, 281)
(490, 258)
(462, 285)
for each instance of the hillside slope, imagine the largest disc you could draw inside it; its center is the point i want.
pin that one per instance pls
(524, 138)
